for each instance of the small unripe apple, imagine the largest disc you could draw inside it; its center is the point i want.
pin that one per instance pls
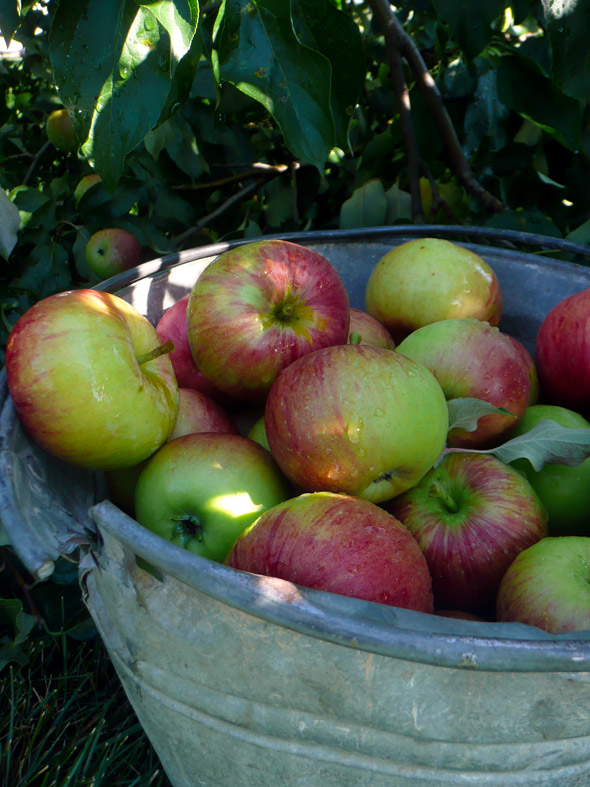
(60, 130)
(112, 250)
(84, 184)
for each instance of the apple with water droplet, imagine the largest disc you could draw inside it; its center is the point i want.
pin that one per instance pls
(90, 380)
(354, 419)
(339, 544)
(471, 358)
(471, 516)
(426, 280)
(258, 307)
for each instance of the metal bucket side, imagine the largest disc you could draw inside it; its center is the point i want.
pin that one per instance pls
(229, 698)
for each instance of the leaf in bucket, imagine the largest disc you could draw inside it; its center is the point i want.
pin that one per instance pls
(465, 412)
(547, 443)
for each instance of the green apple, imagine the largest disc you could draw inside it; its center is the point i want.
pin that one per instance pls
(60, 130)
(258, 433)
(201, 491)
(112, 250)
(428, 279)
(564, 490)
(90, 381)
(548, 586)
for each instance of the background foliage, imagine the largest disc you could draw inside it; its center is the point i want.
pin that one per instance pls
(210, 121)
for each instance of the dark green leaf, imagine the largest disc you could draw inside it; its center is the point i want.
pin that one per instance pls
(47, 270)
(321, 26)
(366, 208)
(15, 626)
(465, 412)
(9, 18)
(260, 54)
(113, 63)
(523, 88)
(568, 22)
(525, 221)
(9, 225)
(470, 23)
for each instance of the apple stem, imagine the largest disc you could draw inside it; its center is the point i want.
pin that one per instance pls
(188, 527)
(355, 338)
(161, 349)
(438, 490)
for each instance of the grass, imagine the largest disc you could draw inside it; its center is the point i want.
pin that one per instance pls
(66, 721)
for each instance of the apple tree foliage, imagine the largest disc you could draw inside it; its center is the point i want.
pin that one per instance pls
(216, 120)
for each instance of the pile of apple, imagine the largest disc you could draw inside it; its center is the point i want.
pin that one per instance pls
(397, 454)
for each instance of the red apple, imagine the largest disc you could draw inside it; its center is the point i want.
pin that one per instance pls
(562, 353)
(198, 412)
(470, 358)
(88, 380)
(548, 586)
(112, 250)
(471, 516)
(172, 326)
(365, 329)
(339, 544)
(355, 419)
(260, 306)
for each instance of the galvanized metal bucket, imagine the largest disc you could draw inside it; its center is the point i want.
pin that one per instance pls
(242, 680)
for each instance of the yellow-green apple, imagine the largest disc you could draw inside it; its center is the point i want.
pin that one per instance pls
(562, 356)
(338, 544)
(200, 491)
(471, 516)
(112, 250)
(427, 280)
(172, 326)
(548, 586)
(563, 489)
(260, 306)
(354, 419)
(60, 130)
(84, 184)
(365, 329)
(471, 358)
(197, 412)
(90, 381)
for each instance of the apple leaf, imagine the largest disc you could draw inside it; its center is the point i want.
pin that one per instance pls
(9, 225)
(261, 55)
(465, 412)
(547, 443)
(115, 63)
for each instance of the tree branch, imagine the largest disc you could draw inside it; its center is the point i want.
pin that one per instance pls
(396, 37)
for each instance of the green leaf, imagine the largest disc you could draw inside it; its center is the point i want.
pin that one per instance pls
(470, 23)
(547, 443)
(9, 18)
(260, 54)
(523, 88)
(568, 22)
(366, 208)
(114, 63)
(47, 270)
(15, 626)
(321, 26)
(9, 224)
(465, 412)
